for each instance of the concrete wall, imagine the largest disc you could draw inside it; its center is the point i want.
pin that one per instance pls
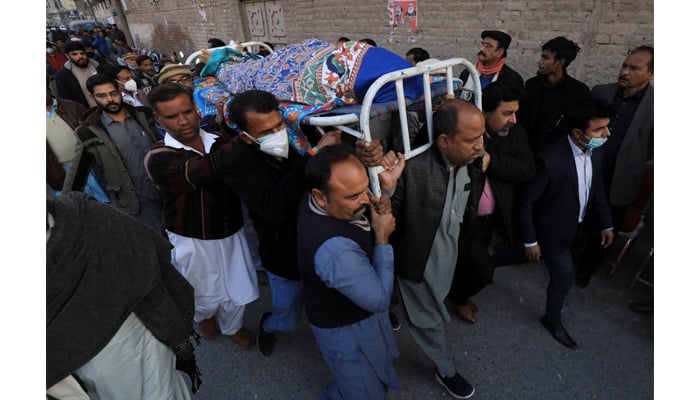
(604, 29)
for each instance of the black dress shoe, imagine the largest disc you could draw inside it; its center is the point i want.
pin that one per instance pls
(265, 341)
(560, 334)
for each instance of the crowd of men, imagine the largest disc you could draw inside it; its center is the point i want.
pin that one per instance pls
(196, 208)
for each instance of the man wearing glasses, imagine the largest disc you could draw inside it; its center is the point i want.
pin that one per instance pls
(491, 64)
(115, 137)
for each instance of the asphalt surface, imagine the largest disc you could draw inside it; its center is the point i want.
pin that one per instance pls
(507, 354)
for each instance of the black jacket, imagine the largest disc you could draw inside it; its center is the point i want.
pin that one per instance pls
(507, 75)
(512, 165)
(271, 190)
(541, 111)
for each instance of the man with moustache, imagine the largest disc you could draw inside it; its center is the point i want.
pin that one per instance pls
(181, 74)
(115, 137)
(507, 163)
(491, 64)
(347, 271)
(72, 78)
(146, 78)
(429, 203)
(202, 216)
(630, 146)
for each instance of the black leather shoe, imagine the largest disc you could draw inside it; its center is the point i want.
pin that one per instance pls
(265, 341)
(560, 334)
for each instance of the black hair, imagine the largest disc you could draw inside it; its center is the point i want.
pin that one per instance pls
(99, 79)
(167, 92)
(368, 41)
(446, 117)
(563, 49)
(251, 100)
(197, 69)
(579, 114)
(343, 39)
(497, 92)
(216, 42)
(419, 54)
(73, 45)
(140, 59)
(114, 70)
(648, 49)
(318, 169)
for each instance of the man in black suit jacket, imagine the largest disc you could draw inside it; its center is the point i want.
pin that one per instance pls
(566, 195)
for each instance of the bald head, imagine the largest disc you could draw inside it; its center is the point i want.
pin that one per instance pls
(458, 129)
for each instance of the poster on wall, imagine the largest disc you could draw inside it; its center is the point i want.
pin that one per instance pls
(403, 17)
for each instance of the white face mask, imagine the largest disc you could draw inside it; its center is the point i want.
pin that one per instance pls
(275, 144)
(49, 50)
(130, 85)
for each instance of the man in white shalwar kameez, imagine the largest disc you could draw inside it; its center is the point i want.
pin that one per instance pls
(202, 216)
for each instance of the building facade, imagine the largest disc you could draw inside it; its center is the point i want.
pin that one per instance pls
(604, 29)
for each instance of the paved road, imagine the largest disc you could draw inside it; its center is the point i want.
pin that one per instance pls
(506, 355)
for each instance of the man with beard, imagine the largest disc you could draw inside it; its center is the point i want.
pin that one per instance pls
(566, 199)
(549, 94)
(491, 65)
(71, 79)
(507, 163)
(146, 78)
(116, 137)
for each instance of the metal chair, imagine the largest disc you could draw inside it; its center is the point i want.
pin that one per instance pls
(633, 222)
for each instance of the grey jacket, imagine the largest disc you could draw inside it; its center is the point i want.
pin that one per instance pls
(636, 149)
(95, 146)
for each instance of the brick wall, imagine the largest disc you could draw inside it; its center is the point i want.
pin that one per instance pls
(604, 29)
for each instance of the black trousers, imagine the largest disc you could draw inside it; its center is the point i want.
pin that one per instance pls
(591, 254)
(473, 270)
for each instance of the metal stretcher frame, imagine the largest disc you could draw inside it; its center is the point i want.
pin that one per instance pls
(397, 77)
(341, 121)
(251, 47)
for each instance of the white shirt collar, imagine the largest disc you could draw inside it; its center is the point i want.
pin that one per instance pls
(208, 140)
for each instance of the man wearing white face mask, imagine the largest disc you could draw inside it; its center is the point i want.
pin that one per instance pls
(202, 216)
(269, 180)
(565, 201)
(127, 85)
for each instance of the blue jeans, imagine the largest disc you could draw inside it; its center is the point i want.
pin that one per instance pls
(561, 278)
(287, 301)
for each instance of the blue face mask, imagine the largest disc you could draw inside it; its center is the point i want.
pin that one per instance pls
(594, 143)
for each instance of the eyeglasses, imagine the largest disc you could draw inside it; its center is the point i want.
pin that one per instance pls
(488, 45)
(101, 96)
(183, 79)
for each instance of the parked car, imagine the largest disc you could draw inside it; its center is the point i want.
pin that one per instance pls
(85, 24)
